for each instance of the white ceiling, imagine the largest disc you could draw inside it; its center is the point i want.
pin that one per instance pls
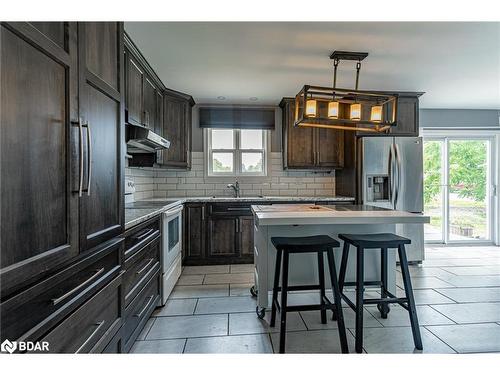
(456, 64)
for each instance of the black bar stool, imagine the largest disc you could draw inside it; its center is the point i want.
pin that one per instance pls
(313, 244)
(382, 241)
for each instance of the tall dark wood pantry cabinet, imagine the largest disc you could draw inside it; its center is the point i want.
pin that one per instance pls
(61, 158)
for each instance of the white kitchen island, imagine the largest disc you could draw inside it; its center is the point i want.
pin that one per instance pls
(296, 220)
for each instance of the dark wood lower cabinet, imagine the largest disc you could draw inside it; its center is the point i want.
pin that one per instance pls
(222, 232)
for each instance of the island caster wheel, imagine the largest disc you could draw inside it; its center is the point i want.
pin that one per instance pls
(261, 312)
(384, 309)
(253, 291)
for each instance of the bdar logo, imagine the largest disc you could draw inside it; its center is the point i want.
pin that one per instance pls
(8, 346)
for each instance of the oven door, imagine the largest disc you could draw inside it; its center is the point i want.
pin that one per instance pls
(172, 236)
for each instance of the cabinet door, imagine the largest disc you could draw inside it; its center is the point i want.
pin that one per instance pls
(407, 117)
(39, 211)
(135, 85)
(101, 107)
(177, 129)
(194, 231)
(298, 147)
(149, 103)
(329, 148)
(246, 236)
(223, 240)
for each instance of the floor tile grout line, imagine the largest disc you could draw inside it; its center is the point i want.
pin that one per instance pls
(444, 342)
(149, 330)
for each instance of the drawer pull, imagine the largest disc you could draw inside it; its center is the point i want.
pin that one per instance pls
(144, 233)
(94, 332)
(139, 315)
(57, 300)
(145, 267)
(238, 208)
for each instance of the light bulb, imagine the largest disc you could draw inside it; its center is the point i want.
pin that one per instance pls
(311, 108)
(376, 113)
(356, 111)
(333, 110)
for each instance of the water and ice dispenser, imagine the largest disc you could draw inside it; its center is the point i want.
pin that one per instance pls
(377, 187)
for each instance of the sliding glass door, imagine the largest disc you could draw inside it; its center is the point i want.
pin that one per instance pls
(457, 193)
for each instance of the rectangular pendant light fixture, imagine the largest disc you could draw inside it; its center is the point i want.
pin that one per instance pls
(333, 110)
(356, 111)
(376, 113)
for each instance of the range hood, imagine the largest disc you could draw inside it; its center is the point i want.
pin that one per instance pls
(141, 140)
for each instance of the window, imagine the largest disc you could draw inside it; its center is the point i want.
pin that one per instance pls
(234, 152)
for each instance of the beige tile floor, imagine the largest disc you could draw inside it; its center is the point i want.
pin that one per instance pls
(457, 290)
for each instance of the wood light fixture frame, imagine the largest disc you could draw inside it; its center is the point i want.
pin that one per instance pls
(316, 114)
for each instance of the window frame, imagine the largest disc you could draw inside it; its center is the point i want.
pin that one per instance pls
(237, 152)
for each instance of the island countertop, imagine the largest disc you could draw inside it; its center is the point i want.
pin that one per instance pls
(307, 214)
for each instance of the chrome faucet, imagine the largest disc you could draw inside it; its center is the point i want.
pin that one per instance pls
(236, 188)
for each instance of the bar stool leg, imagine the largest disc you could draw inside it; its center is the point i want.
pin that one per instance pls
(359, 298)
(338, 302)
(343, 265)
(277, 269)
(409, 295)
(284, 295)
(321, 273)
(342, 272)
(383, 271)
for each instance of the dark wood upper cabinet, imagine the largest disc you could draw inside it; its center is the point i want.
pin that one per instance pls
(407, 119)
(39, 211)
(134, 83)
(309, 148)
(102, 51)
(150, 103)
(101, 108)
(167, 112)
(177, 129)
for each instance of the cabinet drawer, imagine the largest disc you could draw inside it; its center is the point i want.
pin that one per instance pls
(29, 314)
(139, 267)
(87, 329)
(140, 235)
(139, 311)
(236, 209)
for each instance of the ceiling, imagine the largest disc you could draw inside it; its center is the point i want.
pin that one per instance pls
(457, 64)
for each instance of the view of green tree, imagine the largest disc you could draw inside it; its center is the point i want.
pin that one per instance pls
(253, 168)
(468, 169)
(432, 170)
(467, 172)
(219, 167)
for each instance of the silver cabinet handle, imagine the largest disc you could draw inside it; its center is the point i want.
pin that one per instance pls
(145, 267)
(144, 233)
(138, 315)
(98, 325)
(57, 300)
(80, 125)
(238, 208)
(89, 158)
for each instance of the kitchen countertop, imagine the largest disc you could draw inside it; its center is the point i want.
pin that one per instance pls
(140, 211)
(305, 214)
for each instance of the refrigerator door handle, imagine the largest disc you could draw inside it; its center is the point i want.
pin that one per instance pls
(398, 174)
(391, 175)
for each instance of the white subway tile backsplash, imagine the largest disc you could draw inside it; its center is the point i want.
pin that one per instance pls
(163, 183)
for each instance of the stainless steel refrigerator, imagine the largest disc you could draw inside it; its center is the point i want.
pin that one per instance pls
(392, 177)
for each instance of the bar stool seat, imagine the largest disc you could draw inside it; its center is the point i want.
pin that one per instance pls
(374, 241)
(304, 244)
(382, 241)
(313, 244)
